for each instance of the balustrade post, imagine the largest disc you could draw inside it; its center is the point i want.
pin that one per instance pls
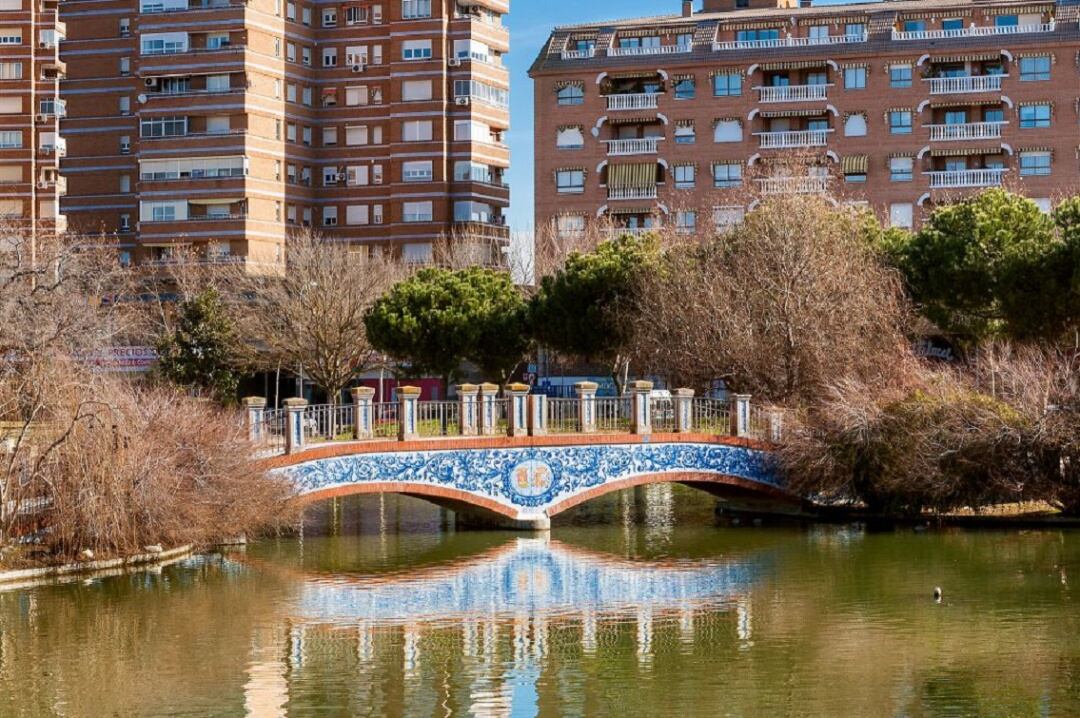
(469, 415)
(363, 422)
(488, 416)
(776, 424)
(740, 415)
(255, 411)
(517, 409)
(408, 397)
(683, 404)
(295, 438)
(641, 422)
(586, 394)
(538, 414)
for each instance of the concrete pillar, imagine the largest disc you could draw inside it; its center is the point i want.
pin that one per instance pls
(408, 397)
(641, 421)
(740, 415)
(776, 424)
(683, 404)
(363, 421)
(294, 425)
(468, 412)
(586, 393)
(489, 417)
(538, 416)
(517, 396)
(255, 410)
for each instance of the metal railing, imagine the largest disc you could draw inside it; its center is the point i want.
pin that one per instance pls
(650, 50)
(585, 54)
(636, 101)
(438, 418)
(793, 138)
(972, 31)
(662, 414)
(710, 416)
(613, 413)
(966, 131)
(794, 185)
(788, 42)
(620, 193)
(965, 178)
(384, 420)
(562, 416)
(961, 85)
(793, 93)
(635, 146)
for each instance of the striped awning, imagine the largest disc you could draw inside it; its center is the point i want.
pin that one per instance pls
(681, 77)
(727, 71)
(1036, 149)
(898, 155)
(926, 15)
(641, 119)
(793, 113)
(563, 84)
(970, 57)
(847, 65)
(653, 31)
(964, 151)
(640, 175)
(684, 123)
(564, 128)
(1019, 9)
(854, 164)
(753, 25)
(964, 102)
(1041, 53)
(636, 75)
(632, 210)
(794, 64)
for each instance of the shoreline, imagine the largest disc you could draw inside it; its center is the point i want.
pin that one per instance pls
(20, 578)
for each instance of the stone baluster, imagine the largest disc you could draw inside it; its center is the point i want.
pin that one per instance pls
(586, 393)
(517, 397)
(740, 415)
(489, 417)
(538, 416)
(641, 423)
(255, 411)
(683, 404)
(295, 439)
(468, 412)
(363, 421)
(408, 398)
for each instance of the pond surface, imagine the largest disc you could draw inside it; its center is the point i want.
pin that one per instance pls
(640, 607)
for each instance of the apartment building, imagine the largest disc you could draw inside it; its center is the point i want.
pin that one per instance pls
(221, 126)
(30, 111)
(899, 104)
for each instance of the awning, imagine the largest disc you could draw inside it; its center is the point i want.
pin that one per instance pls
(1015, 9)
(216, 200)
(971, 57)
(964, 151)
(633, 75)
(563, 84)
(329, 91)
(794, 65)
(793, 113)
(632, 210)
(632, 120)
(681, 77)
(1035, 149)
(632, 176)
(854, 164)
(962, 102)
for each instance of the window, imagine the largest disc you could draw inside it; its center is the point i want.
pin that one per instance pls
(818, 32)
(218, 83)
(1044, 204)
(417, 253)
(10, 36)
(1034, 164)
(306, 136)
(357, 214)
(329, 216)
(727, 131)
(1034, 68)
(416, 131)
(900, 122)
(217, 40)
(757, 35)
(10, 139)
(1006, 21)
(125, 65)
(685, 88)
(290, 52)
(165, 43)
(914, 25)
(329, 17)
(125, 26)
(125, 183)
(570, 181)
(901, 215)
(855, 125)
(305, 15)
(356, 15)
(416, 212)
(356, 135)
(290, 132)
(415, 8)
(290, 92)
(685, 176)
(357, 95)
(570, 225)
(1034, 116)
(952, 23)
(727, 216)
(416, 50)
(307, 97)
(856, 29)
(854, 78)
(124, 104)
(900, 76)
(163, 127)
(416, 90)
(329, 176)
(11, 71)
(417, 171)
(727, 175)
(727, 84)
(901, 169)
(290, 11)
(685, 221)
(482, 92)
(11, 105)
(329, 57)
(305, 55)
(573, 94)
(685, 133)
(570, 138)
(329, 136)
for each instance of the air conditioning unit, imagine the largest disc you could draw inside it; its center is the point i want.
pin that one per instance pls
(360, 67)
(43, 118)
(341, 176)
(151, 82)
(454, 62)
(43, 184)
(462, 101)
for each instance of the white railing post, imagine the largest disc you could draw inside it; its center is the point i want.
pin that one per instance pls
(255, 410)
(408, 397)
(294, 425)
(683, 405)
(488, 419)
(642, 413)
(740, 415)
(776, 424)
(363, 423)
(468, 413)
(517, 409)
(538, 415)
(586, 394)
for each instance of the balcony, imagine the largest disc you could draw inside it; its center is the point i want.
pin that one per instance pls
(586, 54)
(949, 179)
(792, 139)
(792, 93)
(637, 146)
(631, 193)
(966, 131)
(59, 183)
(971, 31)
(641, 101)
(649, 50)
(789, 41)
(961, 85)
(794, 185)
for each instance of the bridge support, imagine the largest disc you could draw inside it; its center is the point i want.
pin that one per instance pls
(294, 425)
(642, 411)
(586, 391)
(683, 401)
(468, 414)
(517, 415)
(363, 427)
(255, 411)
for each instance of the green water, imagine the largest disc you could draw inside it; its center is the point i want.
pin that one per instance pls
(640, 607)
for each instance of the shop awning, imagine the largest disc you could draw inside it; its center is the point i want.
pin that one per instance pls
(632, 176)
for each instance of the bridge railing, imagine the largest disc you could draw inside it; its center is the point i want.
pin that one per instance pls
(299, 424)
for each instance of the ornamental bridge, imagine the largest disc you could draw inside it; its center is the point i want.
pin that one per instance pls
(519, 459)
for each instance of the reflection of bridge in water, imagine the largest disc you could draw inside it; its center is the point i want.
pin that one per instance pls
(502, 613)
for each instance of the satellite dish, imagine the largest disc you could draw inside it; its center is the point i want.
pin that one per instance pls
(141, 99)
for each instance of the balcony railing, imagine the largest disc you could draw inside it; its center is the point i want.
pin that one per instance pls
(960, 85)
(793, 138)
(586, 54)
(788, 42)
(972, 31)
(966, 131)
(620, 193)
(636, 146)
(640, 101)
(792, 93)
(649, 50)
(965, 178)
(794, 185)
